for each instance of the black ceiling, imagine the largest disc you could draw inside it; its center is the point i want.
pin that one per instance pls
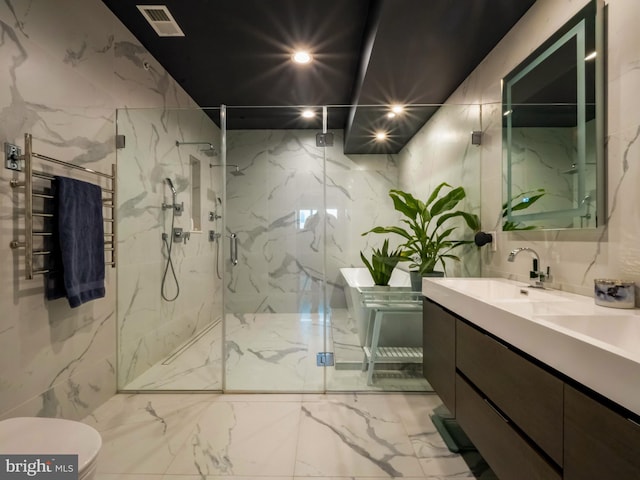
(366, 52)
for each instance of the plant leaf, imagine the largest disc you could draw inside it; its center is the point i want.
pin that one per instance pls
(449, 201)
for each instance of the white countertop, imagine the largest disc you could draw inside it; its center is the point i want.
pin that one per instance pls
(596, 346)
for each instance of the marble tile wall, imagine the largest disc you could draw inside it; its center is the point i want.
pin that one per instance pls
(281, 250)
(68, 65)
(150, 327)
(442, 152)
(575, 257)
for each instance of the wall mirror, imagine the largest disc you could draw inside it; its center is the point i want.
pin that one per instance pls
(553, 131)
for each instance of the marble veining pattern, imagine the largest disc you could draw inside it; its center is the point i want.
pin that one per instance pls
(69, 65)
(276, 209)
(575, 257)
(274, 352)
(442, 152)
(149, 327)
(274, 436)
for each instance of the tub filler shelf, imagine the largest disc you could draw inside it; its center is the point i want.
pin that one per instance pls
(398, 304)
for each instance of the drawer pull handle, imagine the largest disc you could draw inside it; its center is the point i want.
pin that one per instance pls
(496, 410)
(497, 341)
(634, 422)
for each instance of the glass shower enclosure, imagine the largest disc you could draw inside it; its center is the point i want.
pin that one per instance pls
(270, 217)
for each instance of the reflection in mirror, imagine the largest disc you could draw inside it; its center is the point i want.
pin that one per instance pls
(552, 132)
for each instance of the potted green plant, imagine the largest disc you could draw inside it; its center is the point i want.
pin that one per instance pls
(429, 228)
(382, 263)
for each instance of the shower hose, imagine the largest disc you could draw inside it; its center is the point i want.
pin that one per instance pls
(169, 245)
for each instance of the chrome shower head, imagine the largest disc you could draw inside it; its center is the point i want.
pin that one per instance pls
(572, 171)
(173, 189)
(236, 172)
(210, 151)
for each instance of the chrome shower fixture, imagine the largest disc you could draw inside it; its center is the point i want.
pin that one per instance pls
(236, 173)
(177, 207)
(173, 189)
(210, 151)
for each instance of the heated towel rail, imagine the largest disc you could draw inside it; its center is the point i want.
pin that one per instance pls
(109, 203)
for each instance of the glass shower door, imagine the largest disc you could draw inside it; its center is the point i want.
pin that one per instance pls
(274, 216)
(169, 296)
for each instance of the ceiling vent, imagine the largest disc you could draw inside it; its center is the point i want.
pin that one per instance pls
(161, 20)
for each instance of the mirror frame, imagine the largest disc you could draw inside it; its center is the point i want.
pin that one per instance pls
(574, 28)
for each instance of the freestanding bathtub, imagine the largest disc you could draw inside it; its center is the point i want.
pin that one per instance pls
(407, 331)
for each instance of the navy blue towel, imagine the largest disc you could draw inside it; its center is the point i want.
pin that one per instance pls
(80, 242)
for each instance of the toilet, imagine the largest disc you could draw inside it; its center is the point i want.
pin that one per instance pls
(45, 436)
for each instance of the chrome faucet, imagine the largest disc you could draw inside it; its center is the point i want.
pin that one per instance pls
(536, 277)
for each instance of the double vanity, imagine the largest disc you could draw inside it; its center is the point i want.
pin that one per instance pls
(545, 383)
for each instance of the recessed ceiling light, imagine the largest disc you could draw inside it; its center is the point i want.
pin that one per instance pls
(308, 113)
(302, 57)
(397, 109)
(380, 136)
(391, 115)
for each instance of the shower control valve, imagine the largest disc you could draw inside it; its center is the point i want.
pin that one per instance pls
(178, 208)
(178, 235)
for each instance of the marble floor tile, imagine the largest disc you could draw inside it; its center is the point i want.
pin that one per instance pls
(361, 436)
(273, 353)
(241, 439)
(344, 336)
(351, 439)
(195, 365)
(142, 433)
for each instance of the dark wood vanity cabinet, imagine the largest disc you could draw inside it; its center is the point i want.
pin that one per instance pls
(439, 353)
(599, 443)
(526, 394)
(508, 454)
(527, 420)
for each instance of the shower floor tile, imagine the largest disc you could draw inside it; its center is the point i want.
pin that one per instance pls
(274, 353)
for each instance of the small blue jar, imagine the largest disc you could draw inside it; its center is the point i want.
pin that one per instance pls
(614, 293)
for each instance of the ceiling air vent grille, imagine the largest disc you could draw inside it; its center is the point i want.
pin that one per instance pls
(161, 20)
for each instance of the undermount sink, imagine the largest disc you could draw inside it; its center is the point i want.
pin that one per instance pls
(621, 331)
(491, 290)
(530, 308)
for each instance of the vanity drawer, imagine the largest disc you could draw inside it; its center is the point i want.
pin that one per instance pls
(439, 351)
(508, 454)
(599, 442)
(528, 395)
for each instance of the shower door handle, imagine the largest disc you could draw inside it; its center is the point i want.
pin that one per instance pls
(233, 248)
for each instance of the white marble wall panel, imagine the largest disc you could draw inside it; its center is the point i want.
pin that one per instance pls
(576, 257)
(442, 152)
(69, 65)
(150, 327)
(280, 249)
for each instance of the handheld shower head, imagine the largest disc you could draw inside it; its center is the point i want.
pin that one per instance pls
(173, 189)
